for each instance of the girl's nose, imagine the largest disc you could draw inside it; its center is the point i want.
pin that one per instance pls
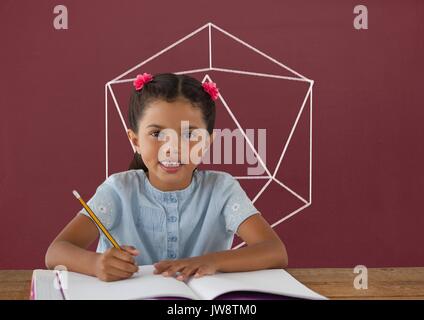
(173, 153)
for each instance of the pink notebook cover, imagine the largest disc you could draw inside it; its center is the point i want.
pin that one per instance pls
(32, 291)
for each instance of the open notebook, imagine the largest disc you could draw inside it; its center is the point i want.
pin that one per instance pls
(146, 285)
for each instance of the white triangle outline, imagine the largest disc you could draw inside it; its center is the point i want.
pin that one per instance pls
(297, 76)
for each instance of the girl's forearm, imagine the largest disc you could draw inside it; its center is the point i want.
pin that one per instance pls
(74, 258)
(265, 255)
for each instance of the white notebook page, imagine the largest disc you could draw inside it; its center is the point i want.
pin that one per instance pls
(274, 281)
(142, 285)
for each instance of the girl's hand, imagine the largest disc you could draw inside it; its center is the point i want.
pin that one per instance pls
(197, 266)
(114, 264)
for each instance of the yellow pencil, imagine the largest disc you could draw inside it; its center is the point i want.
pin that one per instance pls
(96, 220)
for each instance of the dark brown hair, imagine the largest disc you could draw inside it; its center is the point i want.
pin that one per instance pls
(169, 87)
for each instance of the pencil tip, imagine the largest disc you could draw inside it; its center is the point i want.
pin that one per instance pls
(76, 194)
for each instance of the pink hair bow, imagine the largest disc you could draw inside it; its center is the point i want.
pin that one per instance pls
(141, 80)
(210, 87)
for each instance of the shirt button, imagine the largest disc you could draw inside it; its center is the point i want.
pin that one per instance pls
(173, 238)
(172, 219)
(173, 200)
(171, 255)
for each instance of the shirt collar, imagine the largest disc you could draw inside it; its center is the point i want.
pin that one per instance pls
(168, 196)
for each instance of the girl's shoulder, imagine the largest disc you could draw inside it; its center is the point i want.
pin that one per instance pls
(215, 176)
(215, 173)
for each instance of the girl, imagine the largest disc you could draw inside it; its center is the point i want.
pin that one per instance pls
(166, 211)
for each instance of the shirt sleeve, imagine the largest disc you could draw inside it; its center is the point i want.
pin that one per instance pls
(106, 205)
(237, 206)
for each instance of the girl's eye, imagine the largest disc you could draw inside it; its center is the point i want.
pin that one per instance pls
(156, 134)
(188, 135)
(185, 135)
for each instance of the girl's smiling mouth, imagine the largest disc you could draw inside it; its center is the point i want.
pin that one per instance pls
(170, 166)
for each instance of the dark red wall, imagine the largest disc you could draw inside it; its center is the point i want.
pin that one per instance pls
(367, 115)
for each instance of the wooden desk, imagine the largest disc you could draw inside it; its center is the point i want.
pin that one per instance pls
(334, 283)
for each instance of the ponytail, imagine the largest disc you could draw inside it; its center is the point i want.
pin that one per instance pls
(137, 163)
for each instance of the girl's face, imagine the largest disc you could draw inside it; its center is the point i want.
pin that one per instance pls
(159, 119)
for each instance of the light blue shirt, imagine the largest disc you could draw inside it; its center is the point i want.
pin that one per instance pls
(199, 219)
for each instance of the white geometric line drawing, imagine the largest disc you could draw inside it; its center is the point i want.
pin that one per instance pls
(296, 77)
(258, 51)
(292, 131)
(252, 177)
(210, 44)
(161, 52)
(242, 132)
(289, 190)
(262, 190)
